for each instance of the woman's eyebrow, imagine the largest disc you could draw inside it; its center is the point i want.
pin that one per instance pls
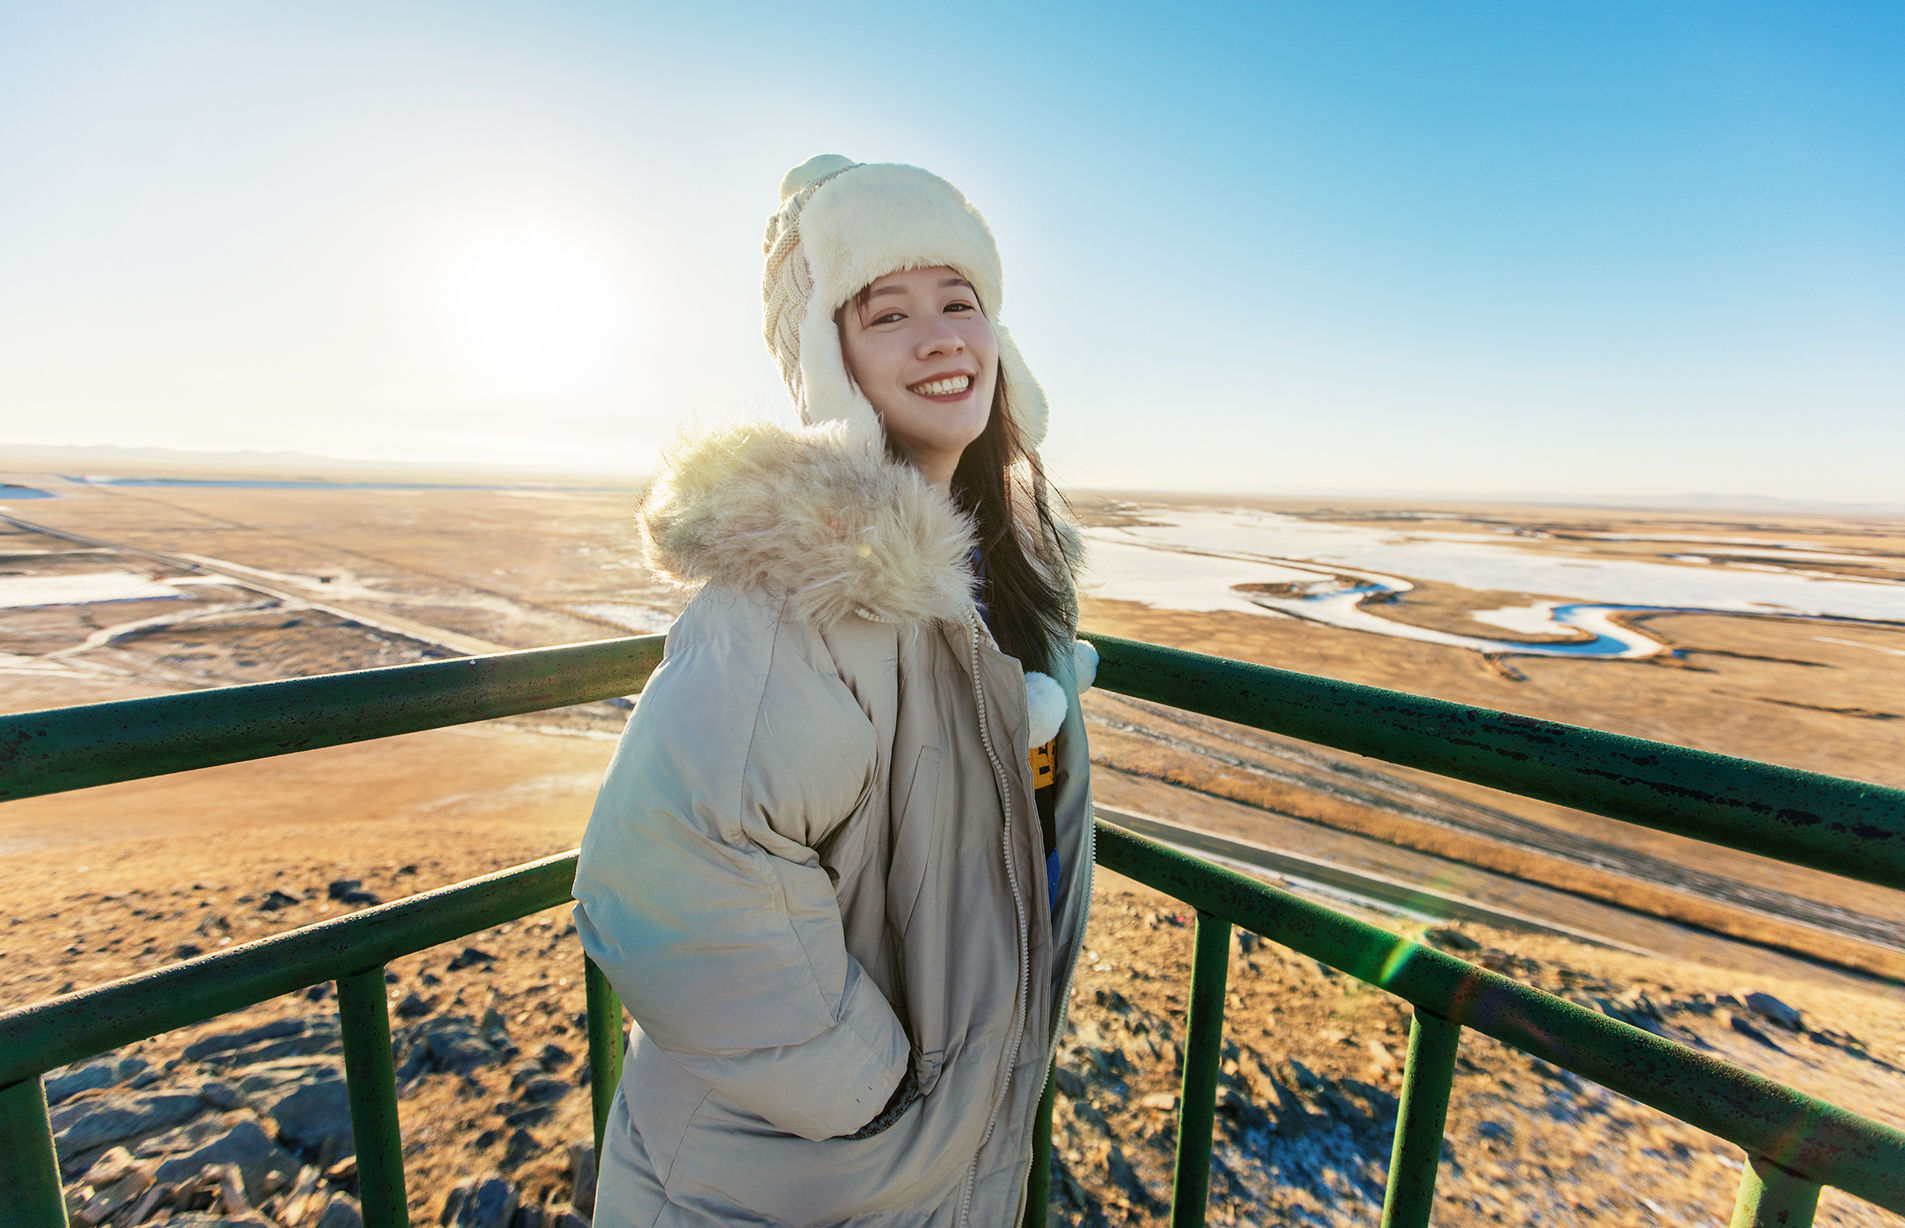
(943, 284)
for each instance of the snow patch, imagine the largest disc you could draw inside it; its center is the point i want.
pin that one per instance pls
(642, 618)
(1202, 560)
(1501, 564)
(1536, 619)
(18, 592)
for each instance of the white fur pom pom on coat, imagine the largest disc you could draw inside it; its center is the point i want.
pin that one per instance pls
(1045, 698)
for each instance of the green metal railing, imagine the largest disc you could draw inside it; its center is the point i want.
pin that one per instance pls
(1794, 1143)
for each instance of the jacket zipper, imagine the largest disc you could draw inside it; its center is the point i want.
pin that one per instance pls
(1018, 905)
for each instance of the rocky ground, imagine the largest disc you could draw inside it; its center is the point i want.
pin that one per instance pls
(1312, 1067)
(242, 1119)
(245, 1120)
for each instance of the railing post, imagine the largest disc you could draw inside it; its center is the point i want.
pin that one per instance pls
(29, 1167)
(605, 1047)
(1420, 1119)
(1038, 1183)
(1774, 1197)
(364, 1017)
(1203, 1048)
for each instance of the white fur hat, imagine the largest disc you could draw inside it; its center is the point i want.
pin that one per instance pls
(841, 226)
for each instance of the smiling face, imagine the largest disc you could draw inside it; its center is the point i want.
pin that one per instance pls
(918, 346)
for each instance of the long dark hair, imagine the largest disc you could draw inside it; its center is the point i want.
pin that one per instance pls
(1027, 590)
(1026, 559)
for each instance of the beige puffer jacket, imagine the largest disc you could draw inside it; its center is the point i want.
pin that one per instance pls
(816, 862)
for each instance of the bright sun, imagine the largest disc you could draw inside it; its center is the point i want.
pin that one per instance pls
(541, 315)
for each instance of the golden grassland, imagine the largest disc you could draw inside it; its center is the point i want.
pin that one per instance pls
(124, 878)
(516, 568)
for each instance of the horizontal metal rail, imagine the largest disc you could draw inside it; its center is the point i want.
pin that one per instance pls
(1800, 1133)
(1797, 1133)
(79, 1025)
(37, 1038)
(1794, 1141)
(58, 749)
(1847, 827)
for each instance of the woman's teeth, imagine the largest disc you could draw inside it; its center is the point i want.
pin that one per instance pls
(943, 387)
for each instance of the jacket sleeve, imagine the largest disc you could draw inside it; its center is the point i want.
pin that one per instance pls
(699, 893)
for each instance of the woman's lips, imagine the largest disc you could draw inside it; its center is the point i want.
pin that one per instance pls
(943, 386)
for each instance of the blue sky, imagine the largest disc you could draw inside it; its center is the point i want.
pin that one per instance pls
(1626, 249)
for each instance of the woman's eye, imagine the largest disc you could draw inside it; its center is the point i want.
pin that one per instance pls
(960, 307)
(889, 318)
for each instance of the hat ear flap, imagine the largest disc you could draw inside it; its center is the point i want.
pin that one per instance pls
(1023, 396)
(827, 392)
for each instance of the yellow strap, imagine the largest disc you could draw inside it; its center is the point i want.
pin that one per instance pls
(1044, 764)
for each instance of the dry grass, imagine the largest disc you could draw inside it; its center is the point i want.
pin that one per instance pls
(1144, 757)
(116, 880)
(1320, 1057)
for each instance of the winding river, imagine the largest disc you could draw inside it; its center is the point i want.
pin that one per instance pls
(1341, 575)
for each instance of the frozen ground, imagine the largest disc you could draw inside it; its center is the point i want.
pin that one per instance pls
(642, 619)
(17, 592)
(1196, 560)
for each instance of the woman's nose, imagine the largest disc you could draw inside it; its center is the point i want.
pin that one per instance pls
(940, 337)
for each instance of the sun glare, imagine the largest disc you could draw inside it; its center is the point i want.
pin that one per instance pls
(541, 315)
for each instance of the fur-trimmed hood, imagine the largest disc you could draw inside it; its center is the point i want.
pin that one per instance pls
(837, 525)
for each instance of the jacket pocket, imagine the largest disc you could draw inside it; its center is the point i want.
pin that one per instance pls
(916, 839)
(926, 1068)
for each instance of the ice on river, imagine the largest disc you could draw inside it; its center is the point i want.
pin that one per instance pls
(1172, 578)
(1193, 559)
(20, 591)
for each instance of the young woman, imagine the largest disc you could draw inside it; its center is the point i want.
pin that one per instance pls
(840, 867)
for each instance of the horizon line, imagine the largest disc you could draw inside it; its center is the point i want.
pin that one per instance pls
(254, 460)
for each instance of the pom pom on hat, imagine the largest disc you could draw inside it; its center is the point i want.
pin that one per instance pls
(841, 226)
(812, 171)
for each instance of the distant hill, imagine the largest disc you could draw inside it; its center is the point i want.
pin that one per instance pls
(106, 459)
(1766, 505)
(173, 462)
